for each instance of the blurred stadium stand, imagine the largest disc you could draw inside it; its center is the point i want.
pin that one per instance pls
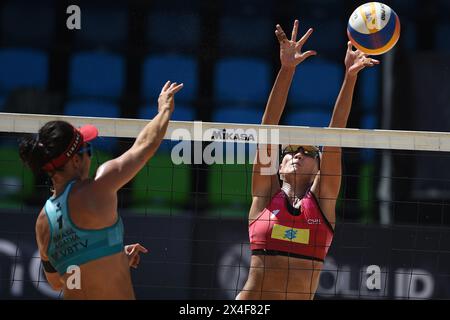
(316, 85)
(102, 28)
(28, 24)
(156, 70)
(242, 80)
(23, 68)
(173, 31)
(226, 58)
(442, 32)
(96, 74)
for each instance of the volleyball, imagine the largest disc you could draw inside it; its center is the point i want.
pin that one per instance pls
(374, 28)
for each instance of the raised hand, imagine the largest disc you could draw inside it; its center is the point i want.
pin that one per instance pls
(166, 97)
(291, 50)
(356, 60)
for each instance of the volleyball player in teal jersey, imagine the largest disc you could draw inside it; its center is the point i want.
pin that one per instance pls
(79, 226)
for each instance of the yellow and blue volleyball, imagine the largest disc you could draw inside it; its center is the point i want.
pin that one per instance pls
(374, 28)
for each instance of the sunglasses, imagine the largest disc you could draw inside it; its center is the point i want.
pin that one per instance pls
(308, 151)
(86, 149)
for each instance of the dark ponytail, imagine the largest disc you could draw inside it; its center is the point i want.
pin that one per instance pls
(33, 153)
(53, 138)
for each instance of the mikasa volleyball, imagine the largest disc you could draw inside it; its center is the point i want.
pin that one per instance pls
(374, 28)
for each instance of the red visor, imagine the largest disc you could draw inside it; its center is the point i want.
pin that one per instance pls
(84, 134)
(89, 132)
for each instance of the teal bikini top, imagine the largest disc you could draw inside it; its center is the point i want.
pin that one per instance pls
(70, 245)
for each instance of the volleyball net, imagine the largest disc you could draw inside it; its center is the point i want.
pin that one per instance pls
(189, 206)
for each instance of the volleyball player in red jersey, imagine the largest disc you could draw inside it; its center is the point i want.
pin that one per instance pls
(291, 227)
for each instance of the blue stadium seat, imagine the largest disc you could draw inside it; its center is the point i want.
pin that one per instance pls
(370, 88)
(308, 119)
(22, 68)
(163, 32)
(96, 74)
(317, 84)
(242, 80)
(181, 69)
(102, 26)
(441, 38)
(95, 108)
(28, 23)
(237, 34)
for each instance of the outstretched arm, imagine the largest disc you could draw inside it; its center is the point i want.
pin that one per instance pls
(328, 182)
(355, 61)
(290, 57)
(263, 184)
(114, 174)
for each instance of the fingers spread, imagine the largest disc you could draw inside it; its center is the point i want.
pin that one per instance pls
(177, 88)
(294, 31)
(370, 62)
(305, 38)
(307, 54)
(166, 86)
(349, 46)
(280, 34)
